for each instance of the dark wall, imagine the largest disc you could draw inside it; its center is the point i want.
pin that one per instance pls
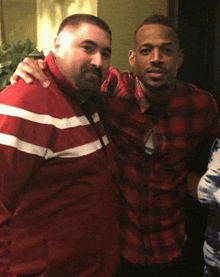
(197, 35)
(217, 55)
(196, 21)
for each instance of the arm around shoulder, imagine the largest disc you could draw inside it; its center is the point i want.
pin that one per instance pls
(28, 68)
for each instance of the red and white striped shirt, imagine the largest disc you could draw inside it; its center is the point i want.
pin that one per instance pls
(57, 206)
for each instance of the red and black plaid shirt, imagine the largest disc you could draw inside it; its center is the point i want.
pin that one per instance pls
(154, 150)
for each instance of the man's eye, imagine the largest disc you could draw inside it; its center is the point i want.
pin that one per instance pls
(106, 55)
(145, 51)
(167, 51)
(87, 48)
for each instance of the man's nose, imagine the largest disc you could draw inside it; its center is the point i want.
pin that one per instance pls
(156, 56)
(97, 60)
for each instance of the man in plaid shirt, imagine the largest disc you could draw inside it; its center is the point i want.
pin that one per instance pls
(161, 129)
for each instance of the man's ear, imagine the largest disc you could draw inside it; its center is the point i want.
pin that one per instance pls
(131, 58)
(56, 44)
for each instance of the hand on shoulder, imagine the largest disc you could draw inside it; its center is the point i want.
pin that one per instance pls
(30, 67)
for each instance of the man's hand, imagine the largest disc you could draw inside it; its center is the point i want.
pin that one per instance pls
(31, 67)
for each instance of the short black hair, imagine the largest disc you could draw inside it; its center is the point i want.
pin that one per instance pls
(76, 19)
(157, 19)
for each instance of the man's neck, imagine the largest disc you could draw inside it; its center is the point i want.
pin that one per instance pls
(160, 95)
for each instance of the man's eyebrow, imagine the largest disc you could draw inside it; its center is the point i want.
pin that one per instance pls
(162, 44)
(88, 41)
(91, 42)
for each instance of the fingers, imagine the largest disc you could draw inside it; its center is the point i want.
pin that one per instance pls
(22, 71)
(41, 64)
(13, 79)
(28, 68)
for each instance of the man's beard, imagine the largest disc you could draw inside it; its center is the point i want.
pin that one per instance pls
(89, 86)
(160, 93)
(164, 86)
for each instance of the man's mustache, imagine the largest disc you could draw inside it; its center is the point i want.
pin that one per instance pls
(94, 70)
(156, 70)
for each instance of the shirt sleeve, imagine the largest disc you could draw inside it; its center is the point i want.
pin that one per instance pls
(23, 146)
(209, 184)
(116, 82)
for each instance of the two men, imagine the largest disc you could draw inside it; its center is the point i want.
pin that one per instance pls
(57, 198)
(158, 126)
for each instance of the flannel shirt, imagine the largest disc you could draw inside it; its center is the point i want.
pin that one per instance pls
(155, 149)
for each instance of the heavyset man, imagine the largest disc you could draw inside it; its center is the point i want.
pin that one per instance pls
(57, 198)
(159, 128)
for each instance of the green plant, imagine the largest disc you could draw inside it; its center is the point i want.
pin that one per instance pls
(11, 55)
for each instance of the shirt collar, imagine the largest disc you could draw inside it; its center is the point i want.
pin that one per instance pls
(67, 87)
(141, 98)
(145, 103)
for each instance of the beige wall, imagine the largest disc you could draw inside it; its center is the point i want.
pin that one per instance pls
(123, 16)
(40, 19)
(21, 16)
(50, 14)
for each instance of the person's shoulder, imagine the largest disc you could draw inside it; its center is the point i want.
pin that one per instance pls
(120, 79)
(120, 74)
(32, 97)
(194, 91)
(22, 89)
(114, 71)
(191, 88)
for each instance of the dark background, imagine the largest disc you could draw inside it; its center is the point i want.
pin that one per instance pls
(198, 22)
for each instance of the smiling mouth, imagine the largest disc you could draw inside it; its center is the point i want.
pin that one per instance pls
(92, 77)
(91, 74)
(155, 74)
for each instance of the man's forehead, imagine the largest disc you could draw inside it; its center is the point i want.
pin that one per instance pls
(156, 32)
(83, 27)
(86, 31)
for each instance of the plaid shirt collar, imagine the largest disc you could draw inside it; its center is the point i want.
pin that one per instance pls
(141, 98)
(143, 101)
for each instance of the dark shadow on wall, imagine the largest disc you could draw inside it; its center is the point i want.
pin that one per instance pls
(217, 55)
(196, 22)
(197, 27)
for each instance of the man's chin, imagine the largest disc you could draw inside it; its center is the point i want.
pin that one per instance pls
(89, 85)
(93, 85)
(89, 91)
(156, 85)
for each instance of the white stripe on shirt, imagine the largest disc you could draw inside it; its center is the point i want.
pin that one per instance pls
(30, 148)
(78, 151)
(63, 123)
(23, 146)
